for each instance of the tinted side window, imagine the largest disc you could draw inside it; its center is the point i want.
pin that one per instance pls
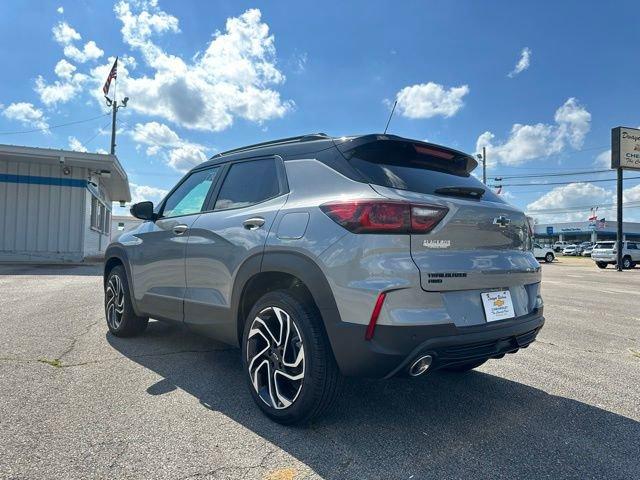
(248, 183)
(632, 246)
(189, 197)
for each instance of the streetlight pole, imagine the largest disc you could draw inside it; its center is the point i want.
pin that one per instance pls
(113, 127)
(114, 105)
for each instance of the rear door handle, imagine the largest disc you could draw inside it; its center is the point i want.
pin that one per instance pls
(180, 229)
(253, 223)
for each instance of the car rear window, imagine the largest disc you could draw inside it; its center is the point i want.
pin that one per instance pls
(604, 245)
(413, 167)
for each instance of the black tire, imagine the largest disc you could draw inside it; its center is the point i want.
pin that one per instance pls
(601, 264)
(464, 367)
(627, 263)
(129, 324)
(321, 381)
(549, 257)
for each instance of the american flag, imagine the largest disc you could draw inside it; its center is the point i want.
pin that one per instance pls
(113, 74)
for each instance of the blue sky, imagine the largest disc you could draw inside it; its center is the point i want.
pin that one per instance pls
(539, 84)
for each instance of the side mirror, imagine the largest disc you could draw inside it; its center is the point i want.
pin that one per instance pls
(143, 211)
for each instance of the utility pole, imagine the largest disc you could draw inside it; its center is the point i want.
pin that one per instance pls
(483, 158)
(619, 243)
(484, 165)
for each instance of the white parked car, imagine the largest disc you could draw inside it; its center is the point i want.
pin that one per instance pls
(605, 253)
(587, 251)
(570, 250)
(559, 246)
(546, 253)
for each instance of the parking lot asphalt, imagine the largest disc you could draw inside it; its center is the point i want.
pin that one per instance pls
(76, 402)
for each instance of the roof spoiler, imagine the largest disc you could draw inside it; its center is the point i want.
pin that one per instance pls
(445, 153)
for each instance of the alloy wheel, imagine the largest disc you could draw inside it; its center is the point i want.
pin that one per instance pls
(114, 304)
(275, 358)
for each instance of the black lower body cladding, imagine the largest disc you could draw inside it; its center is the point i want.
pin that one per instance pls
(393, 348)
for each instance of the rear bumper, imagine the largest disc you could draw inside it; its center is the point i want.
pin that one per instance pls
(393, 348)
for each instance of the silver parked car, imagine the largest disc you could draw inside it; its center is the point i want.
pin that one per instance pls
(328, 257)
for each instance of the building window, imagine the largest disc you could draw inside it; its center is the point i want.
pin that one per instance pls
(100, 216)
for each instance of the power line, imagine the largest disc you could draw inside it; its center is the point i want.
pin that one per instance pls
(560, 183)
(632, 204)
(541, 175)
(50, 127)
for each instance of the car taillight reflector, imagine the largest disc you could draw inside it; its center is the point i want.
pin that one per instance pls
(380, 216)
(368, 335)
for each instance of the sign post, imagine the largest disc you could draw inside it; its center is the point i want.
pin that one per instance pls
(625, 154)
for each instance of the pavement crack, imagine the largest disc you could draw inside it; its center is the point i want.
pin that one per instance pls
(58, 363)
(75, 339)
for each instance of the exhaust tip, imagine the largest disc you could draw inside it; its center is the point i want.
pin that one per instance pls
(420, 366)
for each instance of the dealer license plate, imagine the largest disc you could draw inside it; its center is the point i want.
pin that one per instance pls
(497, 305)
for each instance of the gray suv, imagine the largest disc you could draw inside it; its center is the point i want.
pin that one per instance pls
(327, 257)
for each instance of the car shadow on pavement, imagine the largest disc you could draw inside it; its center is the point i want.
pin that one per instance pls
(472, 425)
(84, 270)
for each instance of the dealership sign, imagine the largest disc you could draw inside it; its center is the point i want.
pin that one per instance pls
(625, 148)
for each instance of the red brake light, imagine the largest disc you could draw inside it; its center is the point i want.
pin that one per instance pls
(374, 216)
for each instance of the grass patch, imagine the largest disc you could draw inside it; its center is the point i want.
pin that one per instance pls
(54, 363)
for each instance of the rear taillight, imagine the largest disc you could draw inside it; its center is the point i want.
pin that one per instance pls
(375, 216)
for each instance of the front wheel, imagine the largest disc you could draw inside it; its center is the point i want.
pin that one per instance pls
(601, 264)
(548, 257)
(627, 263)
(121, 319)
(292, 374)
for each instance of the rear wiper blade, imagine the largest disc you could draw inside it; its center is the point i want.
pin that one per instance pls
(470, 192)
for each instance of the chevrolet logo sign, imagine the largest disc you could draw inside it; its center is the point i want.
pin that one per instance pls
(501, 221)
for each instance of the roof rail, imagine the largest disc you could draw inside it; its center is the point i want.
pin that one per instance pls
(300, 138)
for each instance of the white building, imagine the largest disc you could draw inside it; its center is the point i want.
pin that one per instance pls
(585, 231)
(55, 205)
(121, 224)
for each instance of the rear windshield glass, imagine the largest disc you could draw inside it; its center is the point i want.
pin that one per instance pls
(604, 245)
(413, 167)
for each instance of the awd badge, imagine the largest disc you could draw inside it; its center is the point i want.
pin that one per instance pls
(436, 243)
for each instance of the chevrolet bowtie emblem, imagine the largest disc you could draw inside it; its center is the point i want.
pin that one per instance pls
(501, 221)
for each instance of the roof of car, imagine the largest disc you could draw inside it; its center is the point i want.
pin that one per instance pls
(313, 142)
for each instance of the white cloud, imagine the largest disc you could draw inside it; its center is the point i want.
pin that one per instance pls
(523, 62)
(60, 10)
(179, 154)
(64, 69)
(27, 114)
(186, 157)
(231, 79)
(574, 122)
(567, 196)
(60, 91)
(102, 151)
(140, 193)
(603, 159)
(76, 145)
(66, 35)
(527, 142)
(426, 100)
(90, 51)
(155, 134)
